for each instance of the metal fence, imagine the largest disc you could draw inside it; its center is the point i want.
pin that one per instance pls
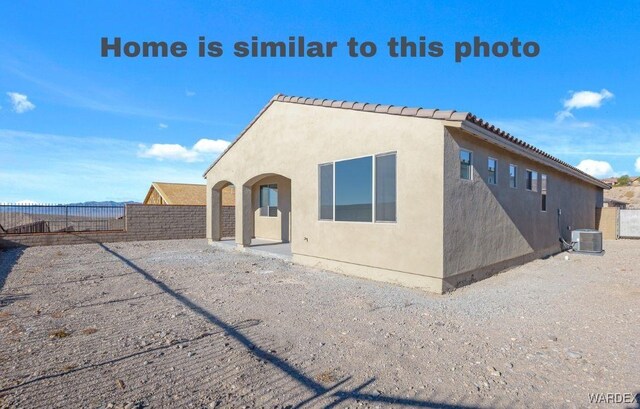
(40, 218)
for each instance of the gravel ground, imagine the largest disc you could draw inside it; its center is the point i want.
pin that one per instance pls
(182, 324)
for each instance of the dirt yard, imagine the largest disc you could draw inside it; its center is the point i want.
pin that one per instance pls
(181, 324)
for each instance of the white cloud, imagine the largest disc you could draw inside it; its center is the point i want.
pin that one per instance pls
(162, 126)
(637, 164)
(26, 202)
(587, 99)
(189, 93)
(50, 168)
(583, 99)
(202, 148)
(20, 102)
(596, 168)
(210, 146)
(170, 151)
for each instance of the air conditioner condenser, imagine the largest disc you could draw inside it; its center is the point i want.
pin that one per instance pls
(587, 241)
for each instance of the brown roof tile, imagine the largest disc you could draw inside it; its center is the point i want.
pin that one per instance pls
(451, 115)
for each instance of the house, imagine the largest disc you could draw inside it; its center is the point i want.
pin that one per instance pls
(608, 202)
(610, 181)
(425, 198)
(161, 193)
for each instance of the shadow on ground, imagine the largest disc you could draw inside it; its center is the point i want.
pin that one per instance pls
(8, 259)
(336, 392)
(63, 381)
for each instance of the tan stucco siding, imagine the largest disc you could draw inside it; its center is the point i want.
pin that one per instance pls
(292, 140)
(493, 226)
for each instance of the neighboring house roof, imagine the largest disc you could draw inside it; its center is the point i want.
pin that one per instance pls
(610, 180)
(469, 122)
(179, 193)
(614, 201)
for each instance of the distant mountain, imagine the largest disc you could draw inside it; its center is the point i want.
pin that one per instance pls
(105, 203)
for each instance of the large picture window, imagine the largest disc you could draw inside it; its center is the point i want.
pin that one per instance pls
(269, 200)
(358, 190)
(354, 190)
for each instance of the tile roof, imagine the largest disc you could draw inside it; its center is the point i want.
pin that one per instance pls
(180, 193)
(419, 112)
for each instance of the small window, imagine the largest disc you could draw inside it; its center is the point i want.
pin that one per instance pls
(386, 188)
(354, 190)
(513, 176)
(326, 192)
(269, 200)
(532, 180)
(466, 164)
(492, 169)
(543, 190)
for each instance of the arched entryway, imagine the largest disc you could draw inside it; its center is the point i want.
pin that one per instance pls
(266, 212)
(223, 211)
(262, 213)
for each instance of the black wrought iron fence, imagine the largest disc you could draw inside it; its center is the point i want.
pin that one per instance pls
(41, 218)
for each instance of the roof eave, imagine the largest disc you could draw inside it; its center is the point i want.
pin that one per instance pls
(501, 141)
(253, 121)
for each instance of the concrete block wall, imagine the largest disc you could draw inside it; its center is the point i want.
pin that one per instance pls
(143, 222)
(228, 221)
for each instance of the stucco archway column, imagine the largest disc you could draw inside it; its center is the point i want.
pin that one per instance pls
(215, 210)
(244, 216)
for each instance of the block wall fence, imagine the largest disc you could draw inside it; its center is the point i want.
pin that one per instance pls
(143, 222)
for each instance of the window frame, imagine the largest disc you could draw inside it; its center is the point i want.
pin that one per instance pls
(495, 171)
(270, 187)
(515, 176)
(544, 180)
(471, 167)
(373, 189)
(333, 191)
(375, 174)
(534, 186)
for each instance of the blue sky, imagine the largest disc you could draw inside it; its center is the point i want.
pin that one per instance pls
(75, 126)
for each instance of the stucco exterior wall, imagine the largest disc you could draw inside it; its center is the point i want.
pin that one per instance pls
(292, 140)
(488, 228)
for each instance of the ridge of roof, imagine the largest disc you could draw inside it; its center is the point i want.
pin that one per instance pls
(419, 112)
(172, 183)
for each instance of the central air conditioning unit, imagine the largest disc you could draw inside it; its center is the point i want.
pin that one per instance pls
(587, 241)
